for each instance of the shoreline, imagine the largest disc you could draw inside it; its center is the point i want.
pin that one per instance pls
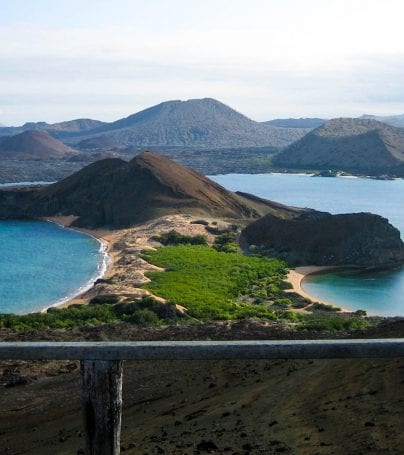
(310, 174)
(123, 247)
(105, 239)
(297, 276)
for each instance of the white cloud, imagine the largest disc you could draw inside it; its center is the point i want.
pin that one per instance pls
(265, 58)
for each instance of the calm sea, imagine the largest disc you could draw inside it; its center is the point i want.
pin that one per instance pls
(378, 293)
(42, 263)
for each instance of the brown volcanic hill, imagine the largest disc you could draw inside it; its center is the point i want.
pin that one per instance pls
(116, 193)
(352, 145)
(33, 145)
(319, 238)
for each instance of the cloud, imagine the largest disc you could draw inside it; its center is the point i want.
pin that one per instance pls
(272, 59)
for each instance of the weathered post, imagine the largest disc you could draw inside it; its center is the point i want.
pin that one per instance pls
(102, 405)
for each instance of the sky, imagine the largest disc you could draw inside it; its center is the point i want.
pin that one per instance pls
(100, 59)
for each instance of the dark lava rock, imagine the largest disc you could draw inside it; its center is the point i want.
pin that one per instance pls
(318, 238)
(206, 446)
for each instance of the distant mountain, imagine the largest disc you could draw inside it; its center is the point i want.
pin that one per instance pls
(116, 193)
(33, 145)
(308, 123)
(198, 123)
(394, 120)
(352, 145)
(100, 143)
(57, 129)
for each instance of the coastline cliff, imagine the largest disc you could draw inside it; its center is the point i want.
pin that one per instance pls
(319, 238)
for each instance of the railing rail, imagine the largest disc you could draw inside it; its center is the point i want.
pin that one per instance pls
(198, 350)
(101, 368)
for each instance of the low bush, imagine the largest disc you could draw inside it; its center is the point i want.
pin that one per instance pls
(318, 322)
(317, 306)
(209, 283)
(175, 238)
(141, 312)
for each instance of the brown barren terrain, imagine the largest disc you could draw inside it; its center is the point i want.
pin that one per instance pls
(197, 407)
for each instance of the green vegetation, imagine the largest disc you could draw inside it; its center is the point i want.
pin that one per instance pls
(324, 322)
(317, 306)
(210, 283)
(226, 242)
(175, 238)
(143, 312)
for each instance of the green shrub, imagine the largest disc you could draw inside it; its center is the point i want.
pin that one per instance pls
(317, 306)
(143, 312)
(317, 322)
(175, 238)
(208, 282)
(143, 317)
(226, 242)
(361, 313)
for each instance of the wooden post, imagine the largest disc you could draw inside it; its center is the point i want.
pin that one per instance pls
(102, 405)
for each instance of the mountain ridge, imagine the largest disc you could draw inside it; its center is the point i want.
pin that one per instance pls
(306, 123)
(201, 123)
(55, 129)
(348, 144)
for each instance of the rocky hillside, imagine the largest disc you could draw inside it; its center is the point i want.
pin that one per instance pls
(55, 129)
(307, 123)
(318, 238)
(352, 145)
(33, 145)
(116, 193)
(198, 123)
(393, 120)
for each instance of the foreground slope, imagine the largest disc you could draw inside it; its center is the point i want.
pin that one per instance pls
(116, 193)
(186, 407)
(352, 145)
(33, 145)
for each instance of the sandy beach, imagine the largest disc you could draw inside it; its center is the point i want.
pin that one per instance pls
(297, 276)
(106, 237)
(124, 247)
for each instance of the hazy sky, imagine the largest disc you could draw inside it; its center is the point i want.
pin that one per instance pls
(106, 59)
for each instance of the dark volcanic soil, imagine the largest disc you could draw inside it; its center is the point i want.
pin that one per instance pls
(193, 407)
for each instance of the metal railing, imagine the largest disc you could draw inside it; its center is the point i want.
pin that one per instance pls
(102, 367)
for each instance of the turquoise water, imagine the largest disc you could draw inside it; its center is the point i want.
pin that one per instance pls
(378, 293)
(42, 263)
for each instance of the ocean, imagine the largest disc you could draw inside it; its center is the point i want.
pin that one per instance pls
(379, 293)
(42, 263)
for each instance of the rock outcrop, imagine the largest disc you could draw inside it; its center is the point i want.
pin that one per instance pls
(318, 238)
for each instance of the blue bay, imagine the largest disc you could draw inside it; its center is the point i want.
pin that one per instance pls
(42, 263)
(378, 293)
